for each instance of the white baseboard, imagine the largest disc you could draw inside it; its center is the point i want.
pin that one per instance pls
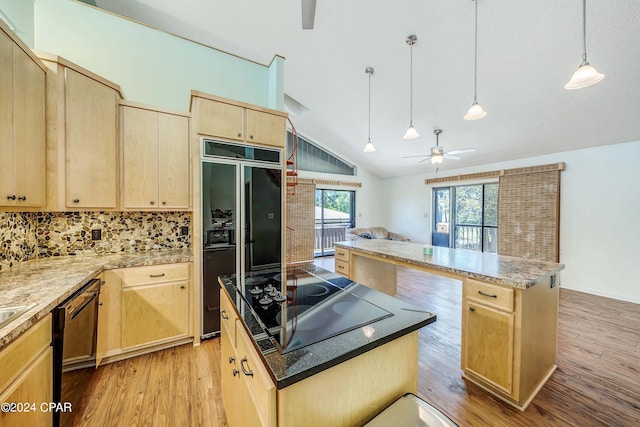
(601, 293)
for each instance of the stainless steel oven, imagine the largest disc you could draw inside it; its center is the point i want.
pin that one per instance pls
(74, 348)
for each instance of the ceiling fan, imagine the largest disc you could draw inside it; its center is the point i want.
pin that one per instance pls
(308, 14)
(437, 153)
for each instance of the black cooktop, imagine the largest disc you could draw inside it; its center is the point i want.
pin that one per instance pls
(308, 307)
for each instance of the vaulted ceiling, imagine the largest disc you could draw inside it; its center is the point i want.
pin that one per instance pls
(527, 51)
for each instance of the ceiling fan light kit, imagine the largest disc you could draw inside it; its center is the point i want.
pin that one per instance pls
(475, 112)
(369, 148)
(586, 75)
(437, 152)
(411, 133)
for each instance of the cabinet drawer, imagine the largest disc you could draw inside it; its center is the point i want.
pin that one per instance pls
(20, 353)
(342, 267)
(227, 317)
(154, 274)
(261, 389)
(488, 294)
(342, 254)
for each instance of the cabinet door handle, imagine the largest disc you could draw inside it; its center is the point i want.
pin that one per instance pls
(164, 203)
(76, 200)
(235, 372)
(250, 136)
(487, 295)
(232, 359)
(472, 309)
(100, 304)
(11, 197)
(157, 275)
(239, 134)
(246, 371)
(22, 198)
(224, 315)
(152, 202)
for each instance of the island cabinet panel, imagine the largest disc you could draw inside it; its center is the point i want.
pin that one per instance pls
(155, 159)
(237, 121)
(22, 127)
(143, 309)
(26, 375)
(509, 338)
(489, 344)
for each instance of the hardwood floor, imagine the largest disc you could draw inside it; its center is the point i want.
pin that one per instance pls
(597, 382)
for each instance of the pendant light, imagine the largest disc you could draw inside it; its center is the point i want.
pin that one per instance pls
(437, 152)
(586, 75)
(369, 148)
(411, 133)
(475, 112)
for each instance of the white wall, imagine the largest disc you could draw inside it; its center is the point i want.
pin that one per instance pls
(151, 66)
(599, 215)
(20, 13)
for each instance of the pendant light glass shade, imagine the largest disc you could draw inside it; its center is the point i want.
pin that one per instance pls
(369, 148)
(586, 75)
(411, 133)
(475, 112)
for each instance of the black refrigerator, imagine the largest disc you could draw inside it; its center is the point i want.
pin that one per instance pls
(242, 196)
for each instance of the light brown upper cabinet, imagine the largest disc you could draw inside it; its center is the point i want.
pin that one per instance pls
(155, 158)
(227, 119)
(82, 137)
(22, 124)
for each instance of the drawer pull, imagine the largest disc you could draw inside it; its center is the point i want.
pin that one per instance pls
(235, 372)
(472, 309)
(341, 267)
(224, 315)
(11, 197)
(182, 286)
(487, 295)
(157, 275)
(247, 371)
(22, 198)
(232, 359)
(341, 253)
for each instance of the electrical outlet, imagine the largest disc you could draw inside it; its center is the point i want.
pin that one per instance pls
(96, 234)
(184, 231)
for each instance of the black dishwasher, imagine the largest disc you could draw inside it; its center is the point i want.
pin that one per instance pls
(74, 349)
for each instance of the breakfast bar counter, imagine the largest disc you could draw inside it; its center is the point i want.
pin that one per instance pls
(509, 308)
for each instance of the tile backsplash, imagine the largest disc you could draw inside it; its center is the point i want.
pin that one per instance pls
(18, 240)
(45, 234)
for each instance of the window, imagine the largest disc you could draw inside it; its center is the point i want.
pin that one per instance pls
(334, 213)
(312, 158)
(474, 210)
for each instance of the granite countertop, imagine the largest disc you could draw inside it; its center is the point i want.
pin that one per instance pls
(44, 283)
(288, 368)
(498, 269)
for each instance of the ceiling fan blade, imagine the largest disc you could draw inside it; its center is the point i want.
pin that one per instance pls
(421, 155)
(422, 161)
(308, 14)
(463, 150)
(449, 156)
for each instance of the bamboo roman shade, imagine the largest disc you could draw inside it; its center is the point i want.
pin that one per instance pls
(529, 212)
(301, 222)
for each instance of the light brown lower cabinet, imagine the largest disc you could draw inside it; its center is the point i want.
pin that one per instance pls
(26, 378)
(143, 309)
(347, 394)
(509, 338)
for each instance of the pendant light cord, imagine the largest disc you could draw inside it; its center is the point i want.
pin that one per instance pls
(584, 32)
(411, 88)
(475, 62)
(370, 72)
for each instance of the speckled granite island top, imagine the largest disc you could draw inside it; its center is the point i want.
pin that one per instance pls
(44, 283)
(499, 269)
(344, 322)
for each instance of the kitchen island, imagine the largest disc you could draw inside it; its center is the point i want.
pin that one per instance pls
(509, 308)
(331, 353)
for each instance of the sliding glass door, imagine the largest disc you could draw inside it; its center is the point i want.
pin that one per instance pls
(466, 217)
(334, 214)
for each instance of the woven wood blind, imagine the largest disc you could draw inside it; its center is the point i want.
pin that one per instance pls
(301, 223)
(529, 214)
